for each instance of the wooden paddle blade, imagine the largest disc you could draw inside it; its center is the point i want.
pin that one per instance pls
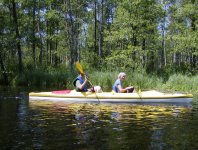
(79, 67)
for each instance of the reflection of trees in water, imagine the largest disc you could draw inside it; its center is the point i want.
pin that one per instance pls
(180, 131)
(115, 126)
(8, 121)
(86, 121)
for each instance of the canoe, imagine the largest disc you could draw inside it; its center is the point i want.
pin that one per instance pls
(112, 97)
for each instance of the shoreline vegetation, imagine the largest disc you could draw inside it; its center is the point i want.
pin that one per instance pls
(154, 42)
(63, 80)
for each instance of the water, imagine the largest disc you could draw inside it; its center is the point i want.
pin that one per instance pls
(56, 125)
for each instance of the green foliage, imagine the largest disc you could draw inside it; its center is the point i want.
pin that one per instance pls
(138, 80)
(20, 80)
(42, 78)
(132, 35)
(63, 79)
(103, 79)
(52, 15)
(180, 82)
(124, 59)
(90, 60)
(145, 81)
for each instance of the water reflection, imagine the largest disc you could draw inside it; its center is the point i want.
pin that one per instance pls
(112, 126)
(53, 125)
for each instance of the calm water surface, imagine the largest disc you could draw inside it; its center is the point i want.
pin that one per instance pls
(56, 125)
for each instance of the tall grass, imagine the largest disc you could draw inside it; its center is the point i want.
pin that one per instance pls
(180, 82)
(176, 82)
(64, 79)
(41, 78)
(104, 79)
(142, 81)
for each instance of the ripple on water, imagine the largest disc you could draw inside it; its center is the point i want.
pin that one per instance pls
(52, 125)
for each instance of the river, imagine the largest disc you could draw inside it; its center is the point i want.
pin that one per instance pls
(28, 125)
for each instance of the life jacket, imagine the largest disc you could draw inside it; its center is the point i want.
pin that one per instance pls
(81, 82)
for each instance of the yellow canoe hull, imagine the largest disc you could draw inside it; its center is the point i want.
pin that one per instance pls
(145, 96)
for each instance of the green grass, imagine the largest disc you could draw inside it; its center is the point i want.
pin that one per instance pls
(41, 79)
(64, 79)
(103, 79)
(180, 82)
(176, 82)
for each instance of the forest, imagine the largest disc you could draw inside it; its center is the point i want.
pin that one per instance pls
(154, 41)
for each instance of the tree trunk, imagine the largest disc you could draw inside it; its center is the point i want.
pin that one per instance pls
(47, 43)
(193, 26)
(100, 39)
(5, 77)
(33, 34)
(72, 35)
(164, 42)
(95, 34)
(17, 36)
(40, 37)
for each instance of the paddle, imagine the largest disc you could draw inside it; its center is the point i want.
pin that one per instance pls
(80, 69)
(139, 92)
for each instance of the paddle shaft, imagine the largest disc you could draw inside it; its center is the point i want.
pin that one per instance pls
(80, 69)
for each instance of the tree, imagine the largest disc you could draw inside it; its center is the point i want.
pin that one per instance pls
(135, 28)
(181, 34)
(17, 36)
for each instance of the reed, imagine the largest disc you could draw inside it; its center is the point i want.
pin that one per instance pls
(40, 78)
(138, 80)
(104, 79)
(63, 79)
(176, 82)
(181, 82)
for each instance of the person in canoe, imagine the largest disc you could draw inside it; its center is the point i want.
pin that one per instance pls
(82, 84)
(118, 88)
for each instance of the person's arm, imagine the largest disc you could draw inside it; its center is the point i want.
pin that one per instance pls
(121, 90)
(80, 86)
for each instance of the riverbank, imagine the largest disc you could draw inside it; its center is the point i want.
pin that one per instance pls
(143, 81)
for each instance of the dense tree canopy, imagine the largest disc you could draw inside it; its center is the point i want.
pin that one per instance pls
(154, 35)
